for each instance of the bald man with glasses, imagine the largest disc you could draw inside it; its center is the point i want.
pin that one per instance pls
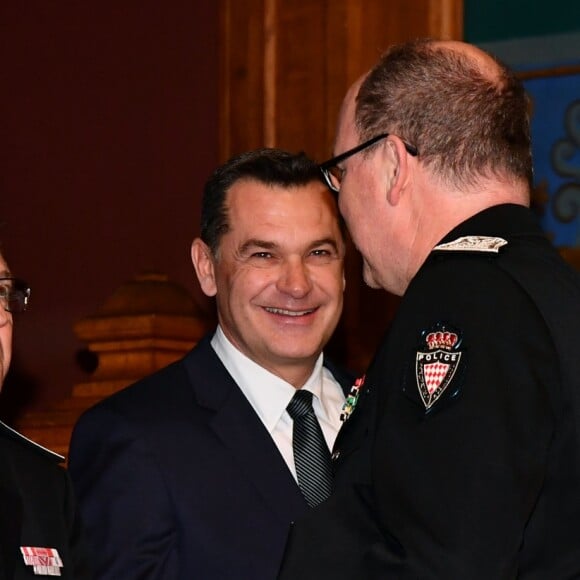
(461, 457)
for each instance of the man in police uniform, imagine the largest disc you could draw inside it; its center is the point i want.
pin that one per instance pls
(39, 530)
(461, 457)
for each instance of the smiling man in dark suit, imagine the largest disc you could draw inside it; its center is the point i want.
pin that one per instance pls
(193, 472)
(40, 533)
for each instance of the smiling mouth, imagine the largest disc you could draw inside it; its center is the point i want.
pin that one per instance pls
(284, 312)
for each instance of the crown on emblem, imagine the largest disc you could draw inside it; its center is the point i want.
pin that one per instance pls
(440, 339)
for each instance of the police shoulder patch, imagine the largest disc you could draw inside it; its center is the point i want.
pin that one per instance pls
(436, 362)
(473, 244)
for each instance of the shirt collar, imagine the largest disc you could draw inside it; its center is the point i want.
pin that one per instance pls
(268, 394)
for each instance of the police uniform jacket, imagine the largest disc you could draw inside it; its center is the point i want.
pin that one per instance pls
(462, 457)
(40, 533)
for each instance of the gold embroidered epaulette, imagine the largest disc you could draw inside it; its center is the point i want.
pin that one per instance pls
(473, 244)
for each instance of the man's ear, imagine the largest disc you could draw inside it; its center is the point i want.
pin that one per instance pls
(396, 159)
(203, 262)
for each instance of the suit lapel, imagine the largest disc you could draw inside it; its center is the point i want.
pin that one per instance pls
(243, 434)
(344, 378)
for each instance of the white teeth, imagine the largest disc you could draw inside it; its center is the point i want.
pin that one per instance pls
(288, 312)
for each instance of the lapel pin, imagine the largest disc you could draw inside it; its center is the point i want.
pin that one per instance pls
(352, 399)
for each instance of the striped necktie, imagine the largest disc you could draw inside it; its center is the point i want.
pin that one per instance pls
(311, 454)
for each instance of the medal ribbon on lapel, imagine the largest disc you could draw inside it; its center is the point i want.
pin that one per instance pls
(352, 399)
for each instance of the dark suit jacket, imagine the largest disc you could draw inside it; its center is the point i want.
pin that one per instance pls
(177, 478)
(36, 509)
(486, 484)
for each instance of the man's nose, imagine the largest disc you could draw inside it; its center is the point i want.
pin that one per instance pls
(294, 279)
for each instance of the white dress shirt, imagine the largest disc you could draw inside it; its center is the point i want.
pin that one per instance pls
(269, 395)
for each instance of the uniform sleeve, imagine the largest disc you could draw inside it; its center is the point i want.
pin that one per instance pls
(455, 486)
(123, 500)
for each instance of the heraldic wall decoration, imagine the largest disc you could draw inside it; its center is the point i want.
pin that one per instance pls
(555, 95)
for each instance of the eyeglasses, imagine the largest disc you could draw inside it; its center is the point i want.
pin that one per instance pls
(14, 294)
(333, 173)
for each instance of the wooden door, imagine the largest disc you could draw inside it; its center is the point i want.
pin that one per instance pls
(285, 67)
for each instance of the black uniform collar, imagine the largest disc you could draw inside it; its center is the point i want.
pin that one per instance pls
(503, 221)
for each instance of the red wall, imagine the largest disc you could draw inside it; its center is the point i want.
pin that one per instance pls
(108, 124)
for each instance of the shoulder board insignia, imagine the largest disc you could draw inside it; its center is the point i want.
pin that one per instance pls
(473, 244)
(19, 437)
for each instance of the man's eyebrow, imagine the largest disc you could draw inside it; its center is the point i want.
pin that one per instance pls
(324, 241)
(256, 243)
(5, 274)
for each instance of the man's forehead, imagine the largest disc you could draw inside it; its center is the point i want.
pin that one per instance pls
(346, 134)
(273, 194)
(290, 209)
